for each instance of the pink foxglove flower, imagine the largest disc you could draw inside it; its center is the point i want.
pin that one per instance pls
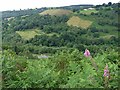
(87, 53)
(106, 71)
(106, 76)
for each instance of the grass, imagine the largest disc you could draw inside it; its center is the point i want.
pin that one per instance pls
(107, 36)
(79, 22)
(57, 12)
(28, 34)
(88, 12)
(31, 33)
(111, 29)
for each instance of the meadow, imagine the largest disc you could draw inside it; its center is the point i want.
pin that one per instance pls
(76, 21)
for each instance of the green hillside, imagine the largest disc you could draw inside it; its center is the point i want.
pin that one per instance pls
(64, 47)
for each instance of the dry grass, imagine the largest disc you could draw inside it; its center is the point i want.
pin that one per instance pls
(57, 12)
(78, 22)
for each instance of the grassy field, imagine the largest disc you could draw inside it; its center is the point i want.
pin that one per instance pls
(111, 29)
(31, 33)
(57, 12)
(107, 36)
(88, 12)
(28, 34)
(76, 21)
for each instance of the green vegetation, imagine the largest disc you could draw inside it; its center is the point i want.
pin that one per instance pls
(65, 69)
(29, 34)
(47, 51)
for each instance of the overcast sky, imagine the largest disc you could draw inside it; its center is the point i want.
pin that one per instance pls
(25, 4)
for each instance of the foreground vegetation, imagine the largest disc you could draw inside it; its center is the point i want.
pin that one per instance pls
(66, 69)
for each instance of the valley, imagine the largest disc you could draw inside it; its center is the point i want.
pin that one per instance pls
(45, 47)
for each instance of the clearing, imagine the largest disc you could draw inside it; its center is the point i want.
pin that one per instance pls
(31, 33)
(28, 34)
(78, 22)
(88, 11)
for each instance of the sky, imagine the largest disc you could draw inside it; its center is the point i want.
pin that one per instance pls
(31, 4)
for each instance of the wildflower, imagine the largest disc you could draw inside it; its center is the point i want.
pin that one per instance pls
(106, 71)
(87, 53)
(106, 76)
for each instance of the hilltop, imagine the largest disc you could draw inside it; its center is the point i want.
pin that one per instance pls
(57, 12)
(16, 13)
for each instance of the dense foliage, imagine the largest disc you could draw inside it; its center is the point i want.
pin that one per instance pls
(66, 69)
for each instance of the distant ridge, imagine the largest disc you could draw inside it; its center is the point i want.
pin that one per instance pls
(15, 13)
(79, 5)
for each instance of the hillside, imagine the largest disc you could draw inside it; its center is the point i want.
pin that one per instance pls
(74, 30)
(64, 47)
(57, 12)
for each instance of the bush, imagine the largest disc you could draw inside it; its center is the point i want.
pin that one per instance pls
(65, 69)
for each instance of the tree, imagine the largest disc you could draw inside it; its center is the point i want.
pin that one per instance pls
(96, 35)
(110, 3)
